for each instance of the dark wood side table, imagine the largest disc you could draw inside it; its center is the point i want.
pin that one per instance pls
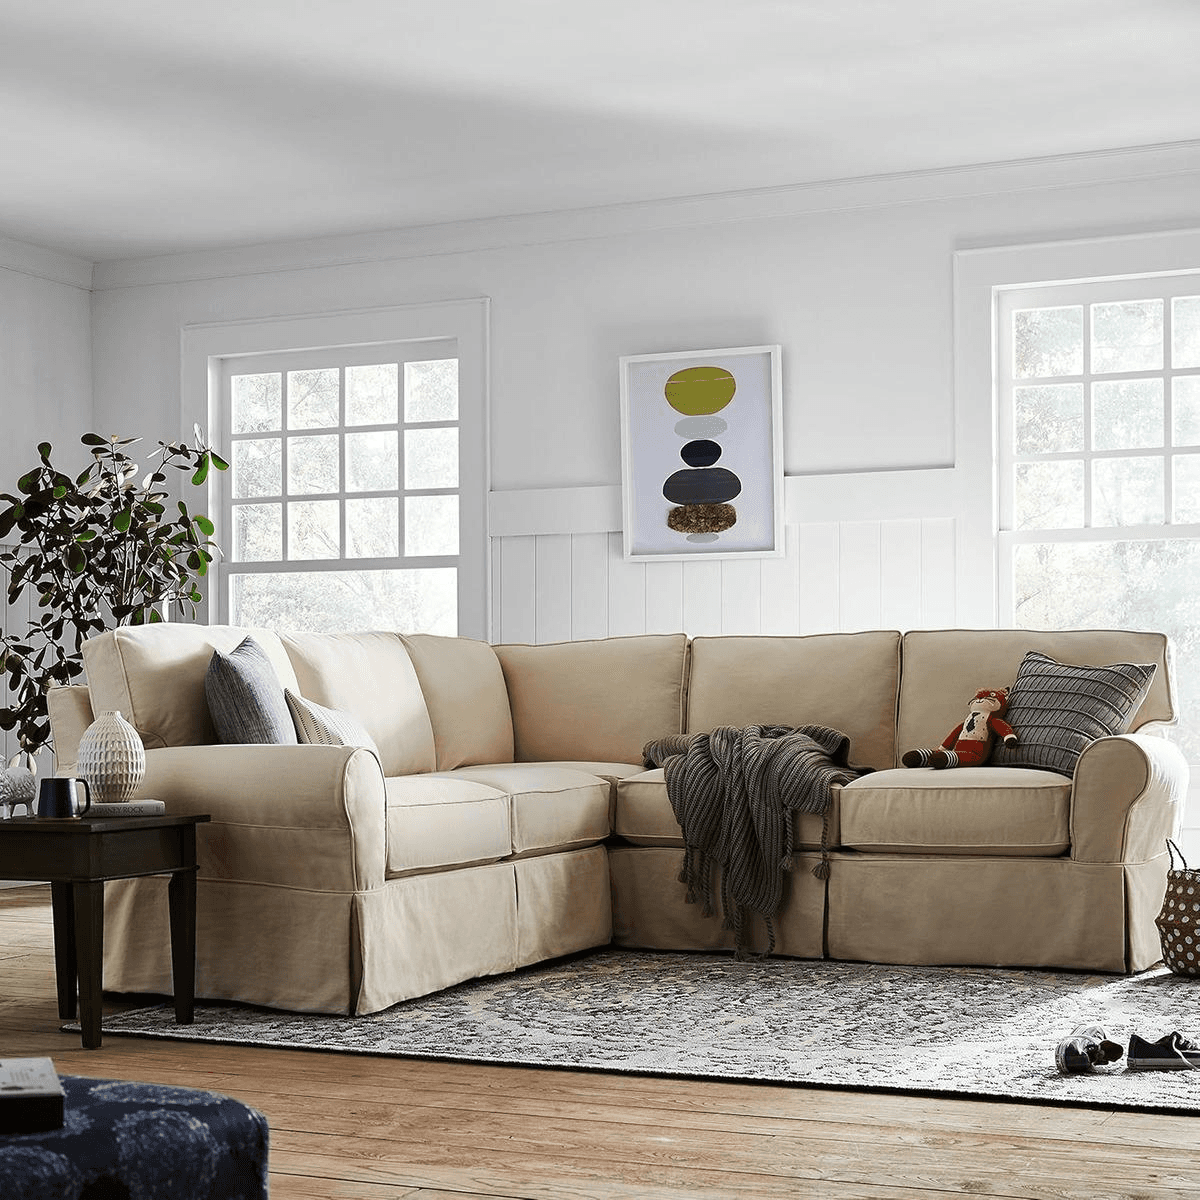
(77, 854)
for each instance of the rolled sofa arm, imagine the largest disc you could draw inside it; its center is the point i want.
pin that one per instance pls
(310, 817)
(1127, 799)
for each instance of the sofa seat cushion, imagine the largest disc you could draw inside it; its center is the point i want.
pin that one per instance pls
(435, 822)
(611, 771)
(644, 815)
(551, 807)
(977, 811)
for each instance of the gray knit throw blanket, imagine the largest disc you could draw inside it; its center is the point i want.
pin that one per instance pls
(734, 792)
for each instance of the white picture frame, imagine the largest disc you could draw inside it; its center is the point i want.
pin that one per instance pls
(695, 426)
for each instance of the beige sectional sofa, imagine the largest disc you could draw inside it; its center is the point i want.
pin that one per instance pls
(508, 819)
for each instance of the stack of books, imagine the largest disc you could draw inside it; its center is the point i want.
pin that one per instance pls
(128, 808)
(31, 1096)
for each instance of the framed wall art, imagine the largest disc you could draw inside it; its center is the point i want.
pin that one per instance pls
(702, 454)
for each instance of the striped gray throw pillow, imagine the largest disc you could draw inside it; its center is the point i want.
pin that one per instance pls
(317, 725)
(1058, 710)
(245, 697)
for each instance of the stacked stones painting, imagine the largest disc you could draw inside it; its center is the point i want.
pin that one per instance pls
(702, 471)
(701, 491)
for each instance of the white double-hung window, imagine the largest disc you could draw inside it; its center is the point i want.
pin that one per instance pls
(343, 494)
(355, 498)
(1099, 463)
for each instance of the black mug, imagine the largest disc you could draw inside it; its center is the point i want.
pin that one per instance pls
(58, 797)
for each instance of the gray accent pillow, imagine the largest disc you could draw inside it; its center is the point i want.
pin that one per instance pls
(317, 725)
(245, 697)
(1058, 710)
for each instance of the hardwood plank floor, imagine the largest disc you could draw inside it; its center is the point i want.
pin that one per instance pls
(346, 1127)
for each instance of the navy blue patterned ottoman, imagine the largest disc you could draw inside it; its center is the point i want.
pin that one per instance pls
(139, 1141)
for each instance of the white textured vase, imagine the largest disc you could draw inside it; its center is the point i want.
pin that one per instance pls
(111, 758)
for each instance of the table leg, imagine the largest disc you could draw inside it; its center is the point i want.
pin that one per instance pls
(181, 895)
(63, 904)
(89, 949)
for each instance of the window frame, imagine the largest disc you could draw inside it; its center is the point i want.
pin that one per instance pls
(1082, 293)
(980, 274)
(208, 351)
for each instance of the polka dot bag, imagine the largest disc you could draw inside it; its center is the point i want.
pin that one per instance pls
(1179, 922)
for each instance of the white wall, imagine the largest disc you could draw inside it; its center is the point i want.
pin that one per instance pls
(45, 374)
(854, 281)
(45, 366)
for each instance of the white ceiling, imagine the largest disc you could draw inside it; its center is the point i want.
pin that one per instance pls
(137, 127)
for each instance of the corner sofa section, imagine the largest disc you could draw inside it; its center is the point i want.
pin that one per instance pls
(508, 819)
(332, 880)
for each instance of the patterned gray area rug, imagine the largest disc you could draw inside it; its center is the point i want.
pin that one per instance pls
(962, 1031)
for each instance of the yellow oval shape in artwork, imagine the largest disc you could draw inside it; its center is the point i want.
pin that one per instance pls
(698, 391)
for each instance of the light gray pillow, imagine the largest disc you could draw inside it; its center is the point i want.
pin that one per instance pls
(1057, 710)
(245, 697)
(317, 725)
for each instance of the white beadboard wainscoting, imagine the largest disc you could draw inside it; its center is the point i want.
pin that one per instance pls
(559, 571)
(852, 575)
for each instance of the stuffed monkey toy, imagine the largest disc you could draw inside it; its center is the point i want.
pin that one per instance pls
(969, 743)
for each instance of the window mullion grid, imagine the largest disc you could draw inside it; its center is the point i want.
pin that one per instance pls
(284, 523)
(341, 437)
(1168, 414)
(223, 434)
(285, 432)
(1087, 416)
(401, 450)
(1005, 414)
(1104, 533)
(322, 565)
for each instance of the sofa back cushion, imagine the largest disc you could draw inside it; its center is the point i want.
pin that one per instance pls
(846, 681)
(370, 676)
(154, 676)
(594, 701)
(943, 668)
(468, 706)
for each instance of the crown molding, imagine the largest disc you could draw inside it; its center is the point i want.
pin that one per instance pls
(28, 259)
(876, 191)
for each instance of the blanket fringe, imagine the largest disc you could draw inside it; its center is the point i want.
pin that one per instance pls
(821, 870)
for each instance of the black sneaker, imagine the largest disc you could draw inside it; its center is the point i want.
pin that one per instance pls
(1087, 1048)
(1172, 1052)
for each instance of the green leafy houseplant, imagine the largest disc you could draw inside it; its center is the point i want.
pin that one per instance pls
(97, 550)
